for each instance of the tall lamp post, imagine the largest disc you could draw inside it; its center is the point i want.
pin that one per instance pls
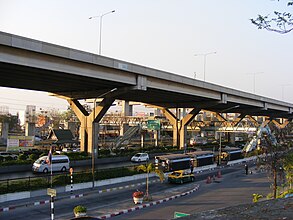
(101, 19)
(283, 87)
(94, 144)
(204, 64)
(254, 74)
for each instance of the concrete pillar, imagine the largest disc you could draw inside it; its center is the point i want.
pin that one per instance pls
(157, 137)
(123, 128)
(127, 110)
(180, 126)
(142, 139)
(30, 129)
(232, 138)
(4, 130)
(88, 131)
(183, 126)
(174, 122)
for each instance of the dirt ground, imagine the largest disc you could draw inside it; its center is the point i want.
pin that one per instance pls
(270, 209)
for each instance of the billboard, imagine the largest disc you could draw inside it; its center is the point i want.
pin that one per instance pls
(17, 143)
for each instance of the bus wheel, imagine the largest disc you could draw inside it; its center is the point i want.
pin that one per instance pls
(63, 169)
(45, 170)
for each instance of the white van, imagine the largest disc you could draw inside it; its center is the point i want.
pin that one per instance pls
(59, 163)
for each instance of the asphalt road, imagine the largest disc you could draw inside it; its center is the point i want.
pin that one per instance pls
(26, 174)
(234, 188)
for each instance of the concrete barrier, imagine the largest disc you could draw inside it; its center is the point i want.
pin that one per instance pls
(14, 196)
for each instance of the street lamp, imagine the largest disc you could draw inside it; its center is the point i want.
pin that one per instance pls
(283, 87)
(204, 64)
(254, 74)
(101, 18)
(94, 142)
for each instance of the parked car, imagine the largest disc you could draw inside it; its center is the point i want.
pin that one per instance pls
(180, 176)
(140, 157)
(8, 154)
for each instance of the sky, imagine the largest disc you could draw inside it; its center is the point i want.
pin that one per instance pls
(169, 35)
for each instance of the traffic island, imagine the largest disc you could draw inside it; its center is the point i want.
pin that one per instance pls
(124, 211)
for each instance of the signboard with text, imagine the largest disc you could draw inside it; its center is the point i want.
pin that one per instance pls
(16, 143)
(154, 125)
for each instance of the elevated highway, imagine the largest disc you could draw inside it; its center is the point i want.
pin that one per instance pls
(73, 75)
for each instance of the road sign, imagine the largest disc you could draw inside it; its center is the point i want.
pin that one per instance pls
(154, 125)
(180, 214)
(51, 192)
(71, 170)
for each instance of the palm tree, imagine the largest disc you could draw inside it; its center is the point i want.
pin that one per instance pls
(150, 168)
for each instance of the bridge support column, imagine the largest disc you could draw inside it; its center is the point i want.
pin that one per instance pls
(183, 125)
(180, 126)
(174, 122)
(127, 110)
(88, 128)
(30, 129)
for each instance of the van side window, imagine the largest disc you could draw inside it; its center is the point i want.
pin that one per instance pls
(60, 161)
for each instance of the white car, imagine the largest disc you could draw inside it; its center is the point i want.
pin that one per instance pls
(7, 154)
(139, 157)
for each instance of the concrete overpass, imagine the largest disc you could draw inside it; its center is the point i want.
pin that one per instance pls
(74, 75)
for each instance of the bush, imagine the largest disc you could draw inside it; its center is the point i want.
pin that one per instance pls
(22, 157)
(33, 157)
(8, 158)
(79, 209)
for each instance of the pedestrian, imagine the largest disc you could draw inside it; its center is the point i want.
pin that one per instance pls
(191, 166)
(246, 169)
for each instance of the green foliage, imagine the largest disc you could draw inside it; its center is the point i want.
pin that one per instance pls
(79, 209)
(256, 197)
(43, 154)
(22, 157)
(33, 157)
(8, 159)
(104, 152)
(76, 155)
(23, 185)
(15, 162)
(150, 168)
(282, 195)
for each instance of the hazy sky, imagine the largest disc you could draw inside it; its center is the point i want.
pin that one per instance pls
(162, 34)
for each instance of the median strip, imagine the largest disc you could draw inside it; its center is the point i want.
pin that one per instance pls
(147, 205)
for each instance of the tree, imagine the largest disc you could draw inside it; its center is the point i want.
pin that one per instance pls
(12, 121)
(281, 22)
(275, 159)
(288, 167)
(150, 168)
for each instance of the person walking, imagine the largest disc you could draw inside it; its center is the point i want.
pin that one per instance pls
(191, 166)
(246, 169)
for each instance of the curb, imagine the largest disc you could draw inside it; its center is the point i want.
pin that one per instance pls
(43, 202)
(147, 205)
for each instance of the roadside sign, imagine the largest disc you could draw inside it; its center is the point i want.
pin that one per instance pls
(51, 192)
(153, 125)
(71, 170)
(180, 214)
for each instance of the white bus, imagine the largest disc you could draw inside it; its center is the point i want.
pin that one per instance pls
(59, 163)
